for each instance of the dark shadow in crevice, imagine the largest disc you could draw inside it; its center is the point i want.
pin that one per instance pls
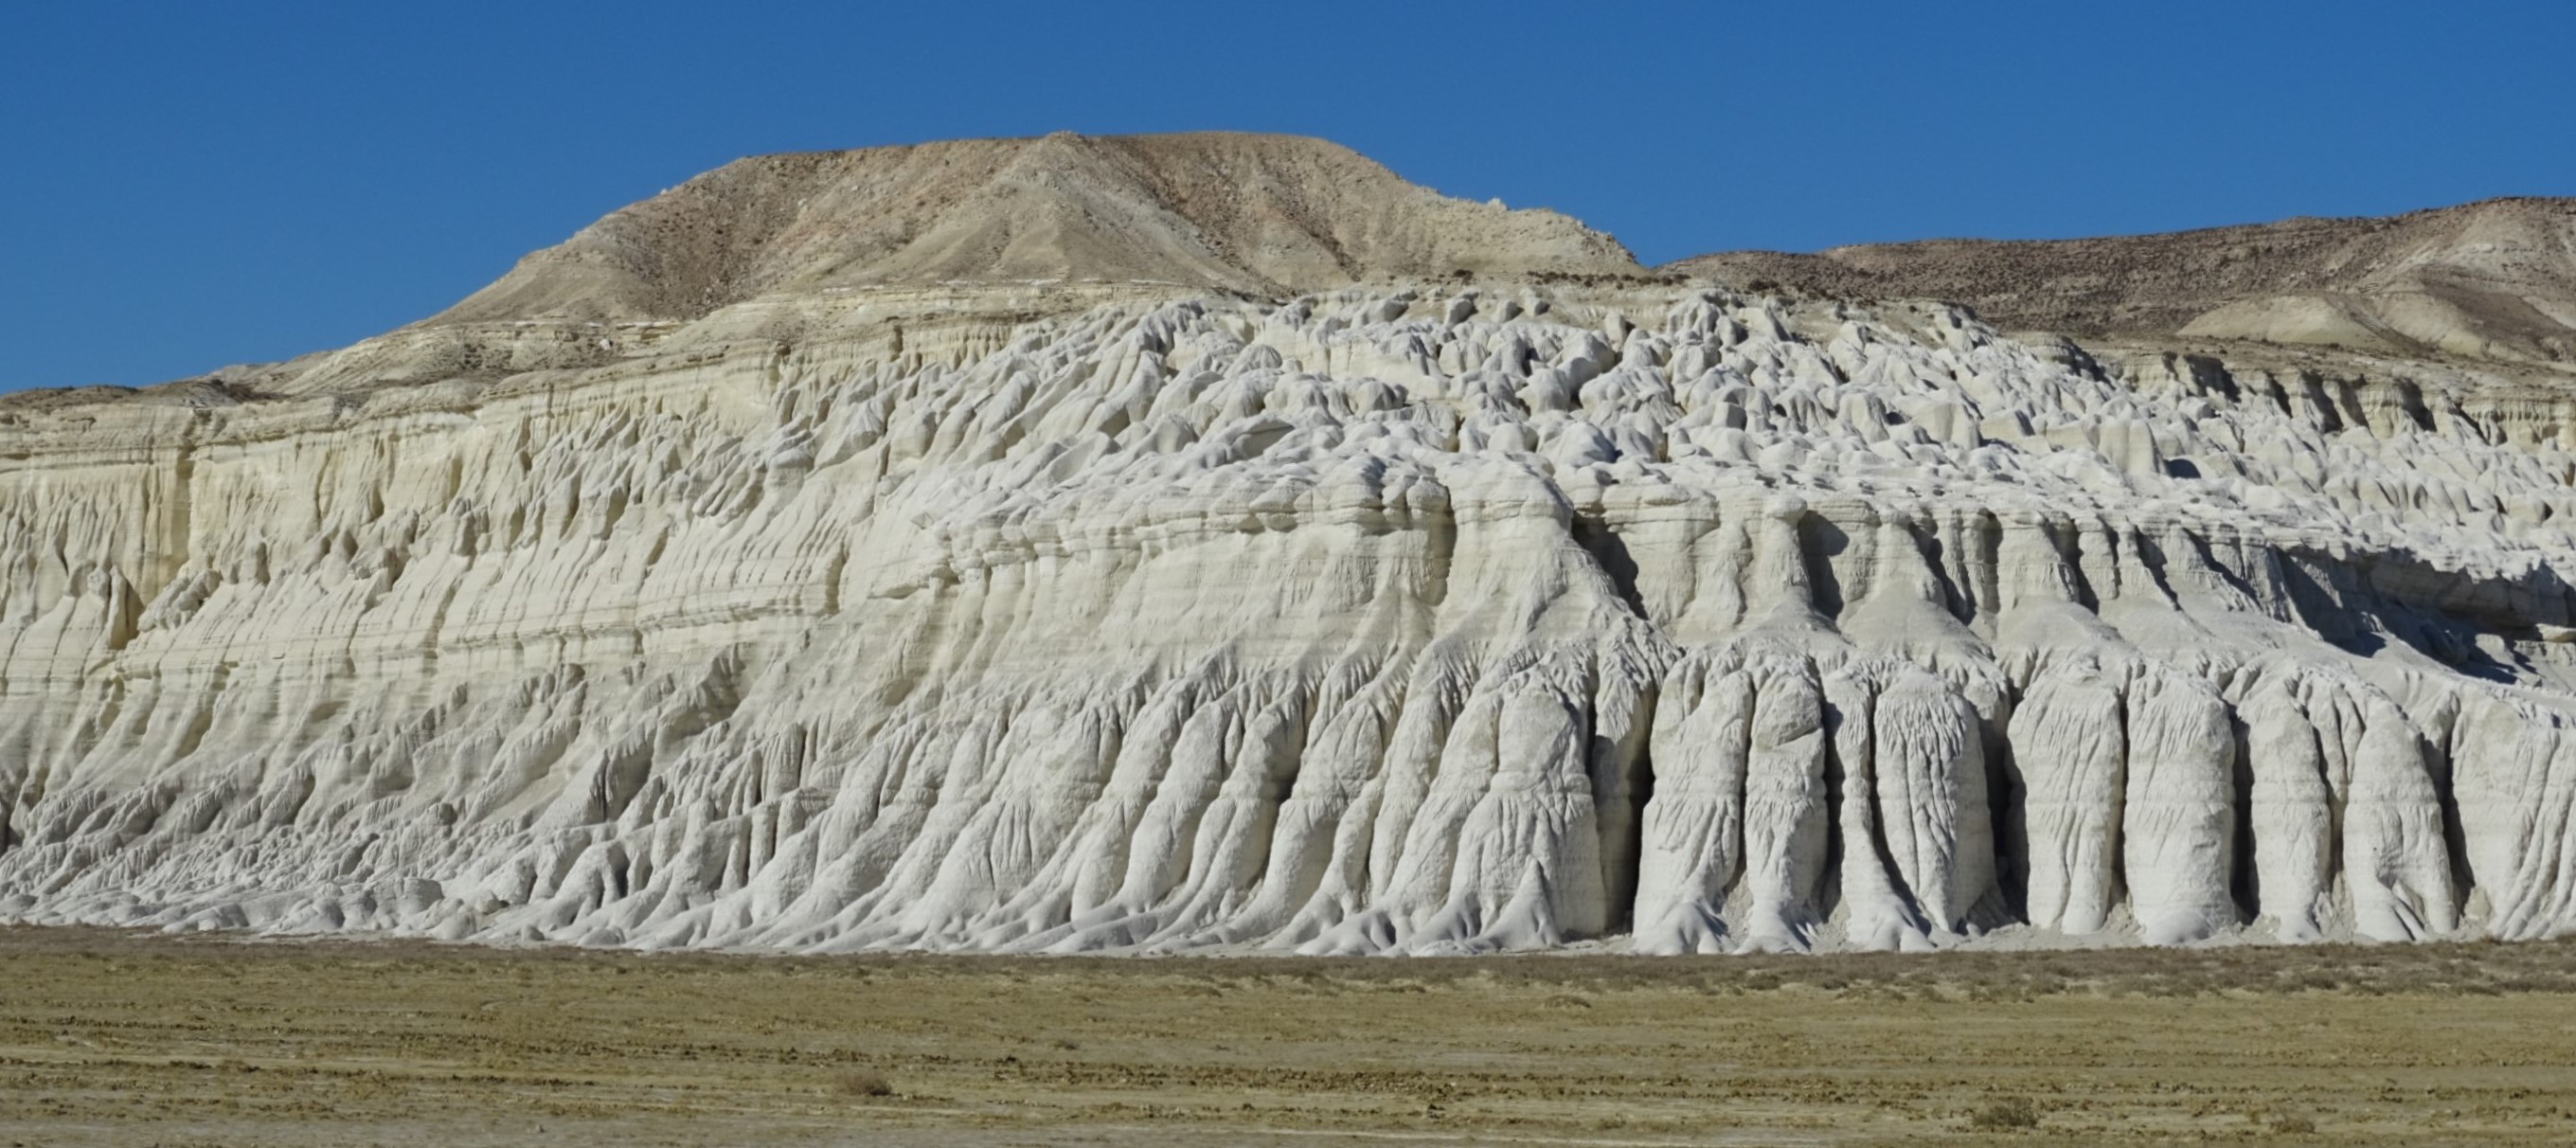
(2007, 802)
(1610, 552)
(2244, 878)
(1819, 543)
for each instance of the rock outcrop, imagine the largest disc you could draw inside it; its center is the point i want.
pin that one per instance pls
(897, 577)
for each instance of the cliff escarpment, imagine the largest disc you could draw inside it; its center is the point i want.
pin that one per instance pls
(1138, 615)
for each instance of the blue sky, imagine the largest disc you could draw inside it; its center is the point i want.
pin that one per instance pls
(186, 185)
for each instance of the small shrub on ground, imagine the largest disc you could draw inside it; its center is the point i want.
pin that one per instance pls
(859, 1082)
(2009, 1114)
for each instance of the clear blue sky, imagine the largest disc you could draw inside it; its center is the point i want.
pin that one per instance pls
(185, 185)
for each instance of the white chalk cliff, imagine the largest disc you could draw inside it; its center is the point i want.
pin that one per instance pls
(1212, 541)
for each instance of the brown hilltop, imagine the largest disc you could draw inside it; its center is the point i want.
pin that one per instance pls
(1211, 209)
(2493, 280)
(1223, 211)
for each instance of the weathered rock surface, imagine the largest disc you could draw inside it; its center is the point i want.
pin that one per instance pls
(879, 598)
(2493, 281)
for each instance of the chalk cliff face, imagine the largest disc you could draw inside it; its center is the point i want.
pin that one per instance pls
(854, 596)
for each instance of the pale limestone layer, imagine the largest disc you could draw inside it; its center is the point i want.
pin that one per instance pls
(1422, 622)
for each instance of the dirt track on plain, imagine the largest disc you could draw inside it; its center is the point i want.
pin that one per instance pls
(120, 1039)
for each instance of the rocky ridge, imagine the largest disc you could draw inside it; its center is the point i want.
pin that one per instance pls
(2492, 281)
(838, 591)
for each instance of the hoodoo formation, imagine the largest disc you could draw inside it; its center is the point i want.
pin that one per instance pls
(1214, 541)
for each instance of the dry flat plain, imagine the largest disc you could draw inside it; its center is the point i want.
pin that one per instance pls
(117, 1038)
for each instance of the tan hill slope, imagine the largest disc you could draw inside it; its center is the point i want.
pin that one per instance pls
(806, 245)
(2493, 280)
(1254, 213)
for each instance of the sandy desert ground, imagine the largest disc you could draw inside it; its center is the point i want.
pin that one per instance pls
(111, 1038)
